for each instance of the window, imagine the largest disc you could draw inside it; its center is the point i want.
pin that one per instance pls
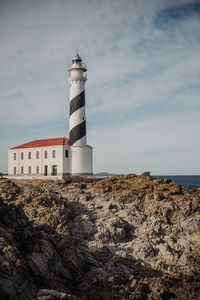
(15, 156)
(15, 170)
(22, 170)
(29, 170)
(45, 154)
(37, 169)
(54, 170)
(22, 155)
(45, 170)
(66, 153)
(37, 154)
(29, 155)
(53, 153)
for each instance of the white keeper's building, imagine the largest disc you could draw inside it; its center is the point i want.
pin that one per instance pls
(58, 157)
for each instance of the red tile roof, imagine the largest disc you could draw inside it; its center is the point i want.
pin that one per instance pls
(44, 143)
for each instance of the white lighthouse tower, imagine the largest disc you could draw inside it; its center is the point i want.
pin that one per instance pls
(80, 152)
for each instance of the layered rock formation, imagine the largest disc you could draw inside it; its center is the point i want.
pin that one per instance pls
(124, 237)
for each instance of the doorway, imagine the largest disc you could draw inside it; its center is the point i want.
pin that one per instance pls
(54, 170)
(45, 170)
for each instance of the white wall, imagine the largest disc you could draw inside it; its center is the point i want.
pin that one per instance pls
(81, 160)
(76, 73)
(60, 161)
(66, 163)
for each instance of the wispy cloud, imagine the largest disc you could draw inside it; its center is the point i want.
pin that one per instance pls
(158, 143)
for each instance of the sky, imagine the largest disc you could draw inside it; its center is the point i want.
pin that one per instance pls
(143, 87)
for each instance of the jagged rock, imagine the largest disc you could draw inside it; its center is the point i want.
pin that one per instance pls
(44, 294)
(124, 237)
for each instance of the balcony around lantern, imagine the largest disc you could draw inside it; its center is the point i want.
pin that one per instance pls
(83, 77)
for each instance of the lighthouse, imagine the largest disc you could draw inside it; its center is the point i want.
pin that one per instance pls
(61, 156)
(80, 152)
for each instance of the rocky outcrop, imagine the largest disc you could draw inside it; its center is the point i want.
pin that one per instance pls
(124, 237)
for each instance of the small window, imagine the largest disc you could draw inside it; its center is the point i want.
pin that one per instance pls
(37, 169)
(22, 155)
(66, 153)
(22, 170)
(29, 170)
(37, 154)
(29, 155)
(15, 156)
(45, 154)
(53, 153)
(15, 170)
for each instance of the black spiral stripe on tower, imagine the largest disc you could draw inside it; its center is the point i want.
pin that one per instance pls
(77, 133)
(77, 102)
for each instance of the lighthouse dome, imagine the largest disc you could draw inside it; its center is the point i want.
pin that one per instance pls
(77, 64)
(76, 59)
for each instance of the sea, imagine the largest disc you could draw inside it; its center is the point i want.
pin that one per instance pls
(192, 181)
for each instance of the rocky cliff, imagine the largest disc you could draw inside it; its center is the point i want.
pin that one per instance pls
(124, 237)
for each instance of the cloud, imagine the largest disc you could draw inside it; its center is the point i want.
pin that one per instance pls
(142, 57)
(158, 144)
